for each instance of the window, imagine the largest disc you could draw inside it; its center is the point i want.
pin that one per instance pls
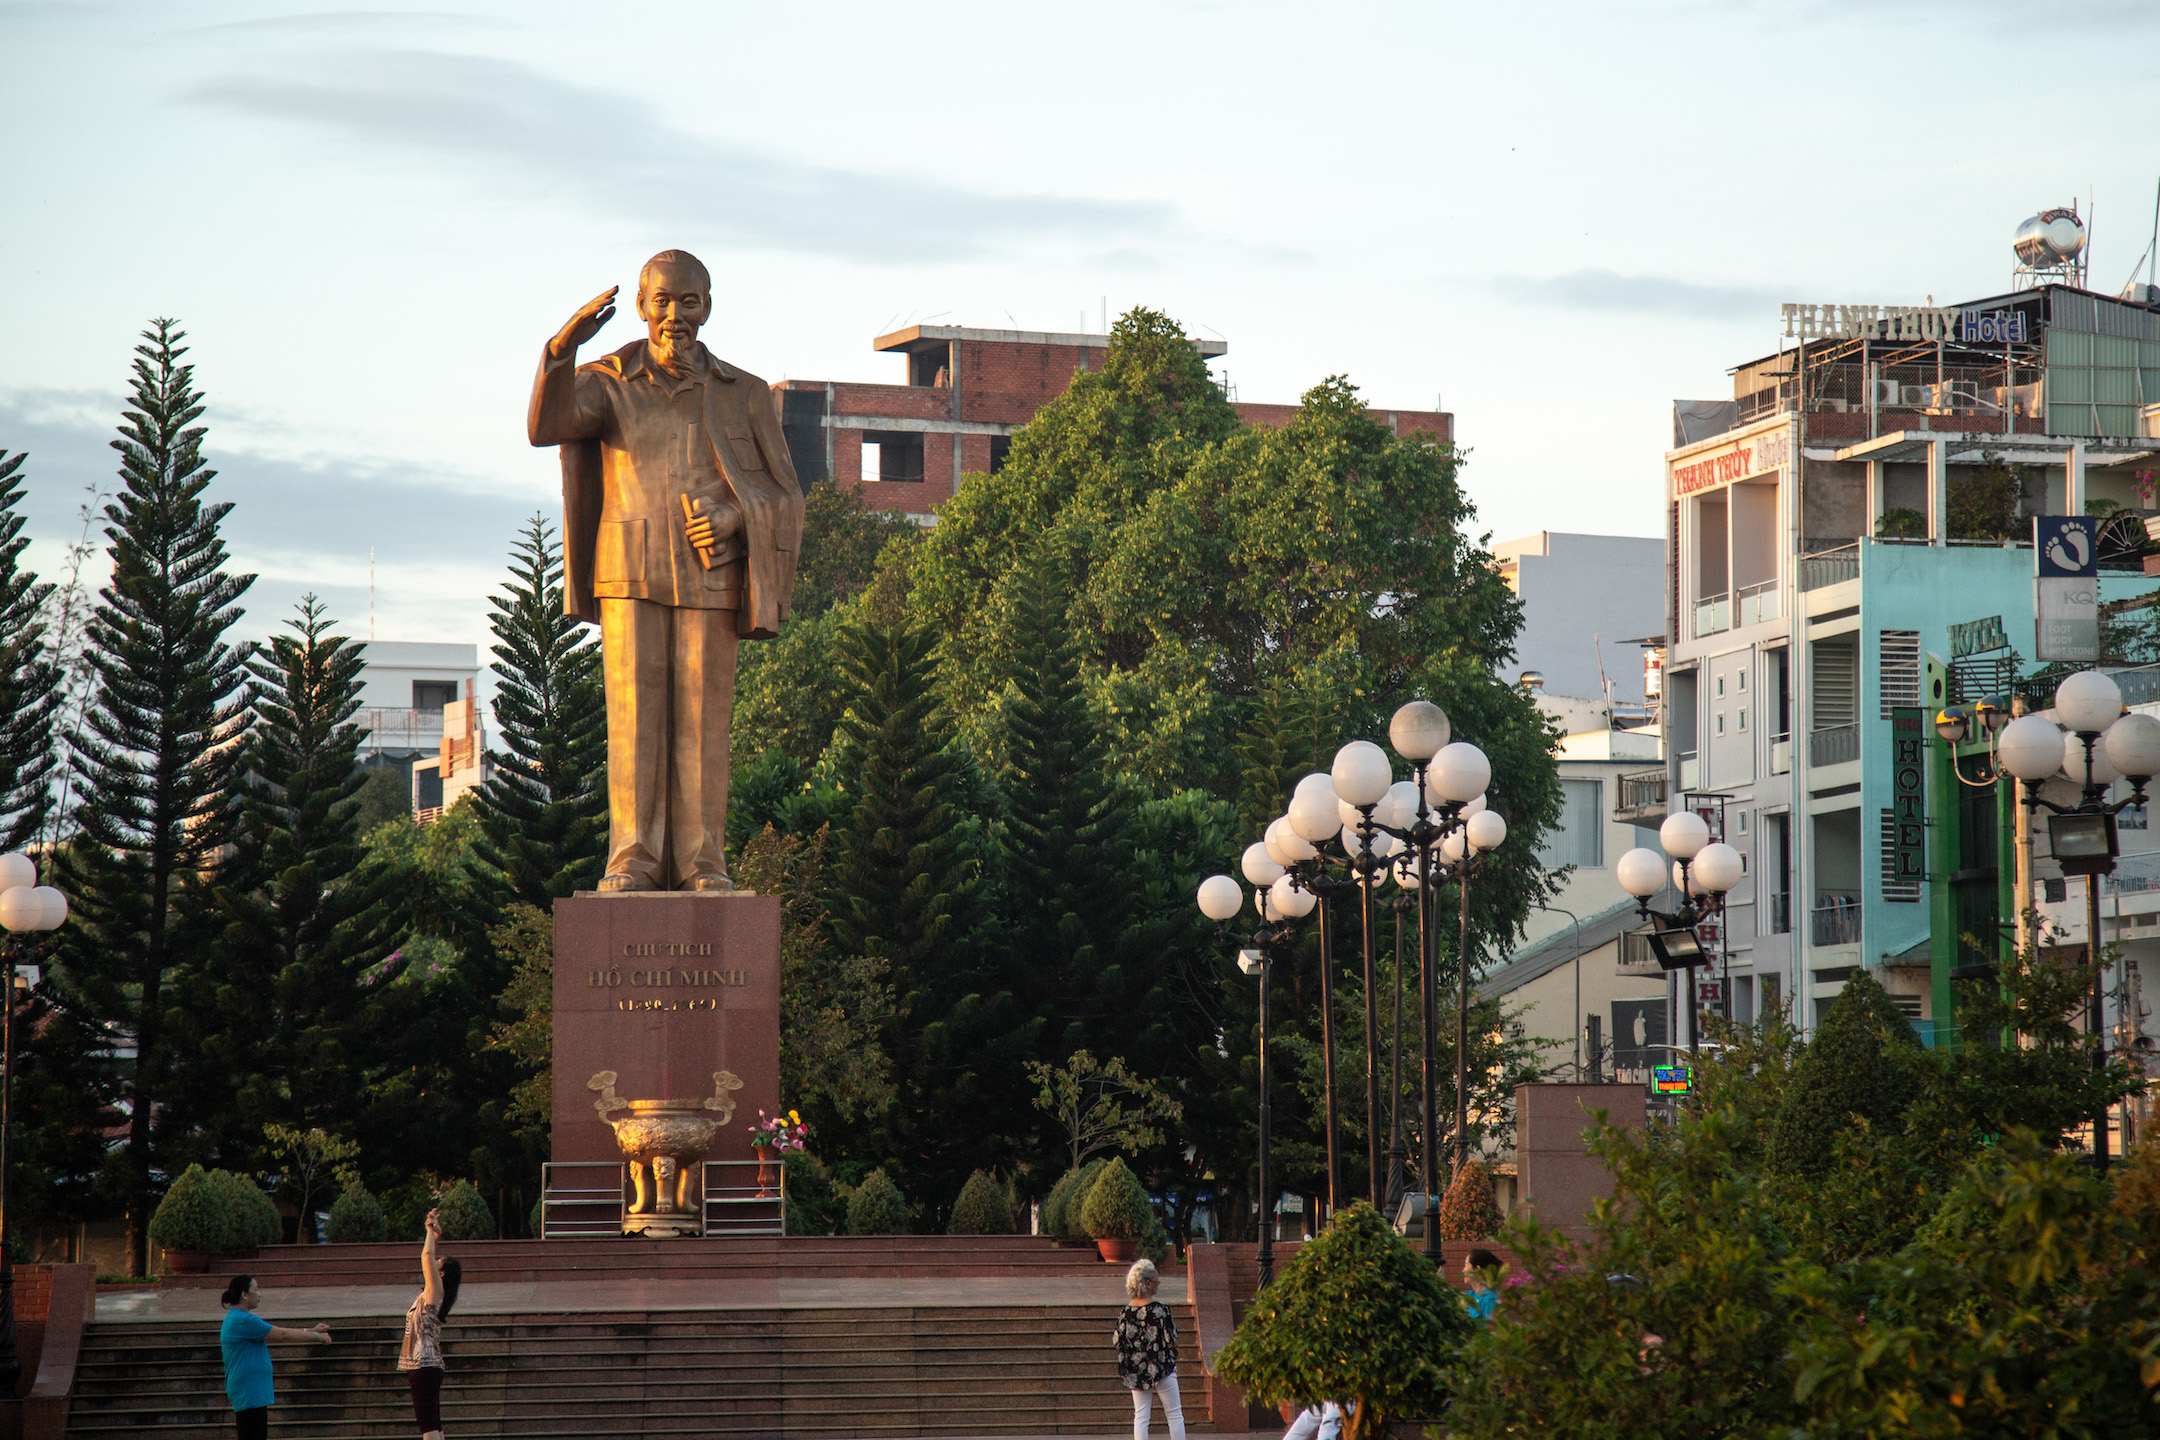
(897, 457)
(1000, 448)
(1740, 679)
(1578, 836)
(1743, 719)
(1720, 722)
(433, 694)
(1900, 654)
(1720, 687)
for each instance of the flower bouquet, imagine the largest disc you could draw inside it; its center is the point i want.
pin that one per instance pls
(779, 1132)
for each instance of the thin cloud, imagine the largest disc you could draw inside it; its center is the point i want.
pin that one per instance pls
(604, 150)
(1660, 295)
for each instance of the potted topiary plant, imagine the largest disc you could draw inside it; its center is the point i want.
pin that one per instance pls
(981, 1208)
(255, 1218)
(1060, 1207)
(193, 1222)
(877, 1207)
(1117, 1213)
(1357, 1317)
(1468, 1211)
(356, 1218)
(463, 1214)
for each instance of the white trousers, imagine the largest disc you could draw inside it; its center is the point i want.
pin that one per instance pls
(1316, 1422)
(1173, 1410)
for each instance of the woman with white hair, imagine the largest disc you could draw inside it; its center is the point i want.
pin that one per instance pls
(1147, 1352)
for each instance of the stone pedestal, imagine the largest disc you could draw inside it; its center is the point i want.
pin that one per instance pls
(664, 990)
(1555, 1172)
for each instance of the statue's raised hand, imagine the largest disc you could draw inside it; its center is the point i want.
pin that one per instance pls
(582, 326)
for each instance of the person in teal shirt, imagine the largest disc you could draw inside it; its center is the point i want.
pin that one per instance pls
(245, 1338)
(1480, 1268)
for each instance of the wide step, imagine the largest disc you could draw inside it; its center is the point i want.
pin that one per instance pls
(954, 1371)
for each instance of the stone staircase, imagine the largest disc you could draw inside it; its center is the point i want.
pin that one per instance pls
(924, 1371)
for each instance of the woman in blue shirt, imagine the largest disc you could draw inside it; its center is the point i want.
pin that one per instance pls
(245, 1338)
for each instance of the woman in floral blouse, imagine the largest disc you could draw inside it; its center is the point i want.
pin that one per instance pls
(1147, 1352)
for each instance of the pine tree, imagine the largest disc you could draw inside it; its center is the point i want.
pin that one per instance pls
(154, 764)
(29, 678)
(281, 1029)
(544, 813)
(1070, 828)
(908, 894)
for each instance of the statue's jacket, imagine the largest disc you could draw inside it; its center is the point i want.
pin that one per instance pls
(635, 441)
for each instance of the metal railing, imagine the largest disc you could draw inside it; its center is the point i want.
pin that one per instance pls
(1754, 604)
(1830, 567)
(1834, 745)
(1640, 791)
(1836, 920)
(591, 1198)
(397, 727)
(2135, 874)
(1713, 615)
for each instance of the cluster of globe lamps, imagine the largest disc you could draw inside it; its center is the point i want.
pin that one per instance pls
(1432, 827)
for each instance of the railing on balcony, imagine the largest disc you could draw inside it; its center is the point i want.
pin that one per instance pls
(2135, 873)
(1713, 615)
(1834, 746)
(1781, 913)
(1830, 567)
(1781, 754)
(396, 727)
(1754, 604)
(1641, 796)
(1836, 919)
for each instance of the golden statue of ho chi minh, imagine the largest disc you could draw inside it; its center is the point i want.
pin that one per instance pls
(681, 521)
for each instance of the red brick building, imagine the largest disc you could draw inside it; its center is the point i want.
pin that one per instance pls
(966, 392)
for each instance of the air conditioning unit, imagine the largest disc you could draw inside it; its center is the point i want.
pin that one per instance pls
(1916, 397)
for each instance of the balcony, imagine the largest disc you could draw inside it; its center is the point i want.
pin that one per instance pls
(1829, 567)
(391, 727)
(1836, 745)
(1781, 755)
(1641, 798)
(1836, 920)
(1713, 615)
(1749, 605)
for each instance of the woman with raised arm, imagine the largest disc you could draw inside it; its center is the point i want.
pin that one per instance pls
(245, 1338)
(421, 1354)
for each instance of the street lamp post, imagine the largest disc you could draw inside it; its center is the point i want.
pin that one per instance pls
(1703, 871)
(25, 907)
(2095, 745)
(1220, 900)
(1465, 849)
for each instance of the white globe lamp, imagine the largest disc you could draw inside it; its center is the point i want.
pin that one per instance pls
(1287, 900)
(1259, 867)
(1419, 730)
(1486, 830)
(1313, 813)
(1361, 773)
(16, 869)
(2031, 748)
(2088, 701)
(1459, 772)
(1717, 868)
(1284, 845)
(1683, 834)
(2133, 746)
(1220, 898)
(1641, 872)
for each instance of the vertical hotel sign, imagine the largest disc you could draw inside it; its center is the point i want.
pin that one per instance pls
(1742, 460)
(1908, 798)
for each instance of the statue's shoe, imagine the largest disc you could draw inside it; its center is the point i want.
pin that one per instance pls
(622, 884)
(707, 884)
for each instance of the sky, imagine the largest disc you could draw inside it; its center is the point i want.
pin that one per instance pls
(1550, 220)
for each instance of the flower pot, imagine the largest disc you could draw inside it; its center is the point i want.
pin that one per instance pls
(1118, 1252)
(768, 1174)
(186, 1262)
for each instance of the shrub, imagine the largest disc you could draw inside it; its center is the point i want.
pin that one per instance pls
(1117, 1205)
(1855, 1067)
(1468, 1211)
(356, 1218)
(535, 1216)
(255, 1218)
(1356, 1317)
(1058, 1215)
(981, 1208)
(196, 1214)
(813, 1204)
(464, 1214)
(877, 1207)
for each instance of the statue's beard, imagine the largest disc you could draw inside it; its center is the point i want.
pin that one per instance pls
(673, 351)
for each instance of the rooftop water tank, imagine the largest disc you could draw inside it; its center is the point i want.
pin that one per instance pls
(2049, 239)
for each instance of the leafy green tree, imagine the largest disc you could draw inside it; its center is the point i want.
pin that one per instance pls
(843, 538)
(1851, 1068)
(1984, 501)
(527, 1034)
(813, 1201)
(281, 1033)
(313, 1158)
(30, 675)
(153, 765)
(1102, 1105)
(835, 1004)
(1356, 1317)
(543, 815)
(356, 1218)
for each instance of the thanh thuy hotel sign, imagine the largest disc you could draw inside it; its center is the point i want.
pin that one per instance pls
(1903, 322)
(1741, 460)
